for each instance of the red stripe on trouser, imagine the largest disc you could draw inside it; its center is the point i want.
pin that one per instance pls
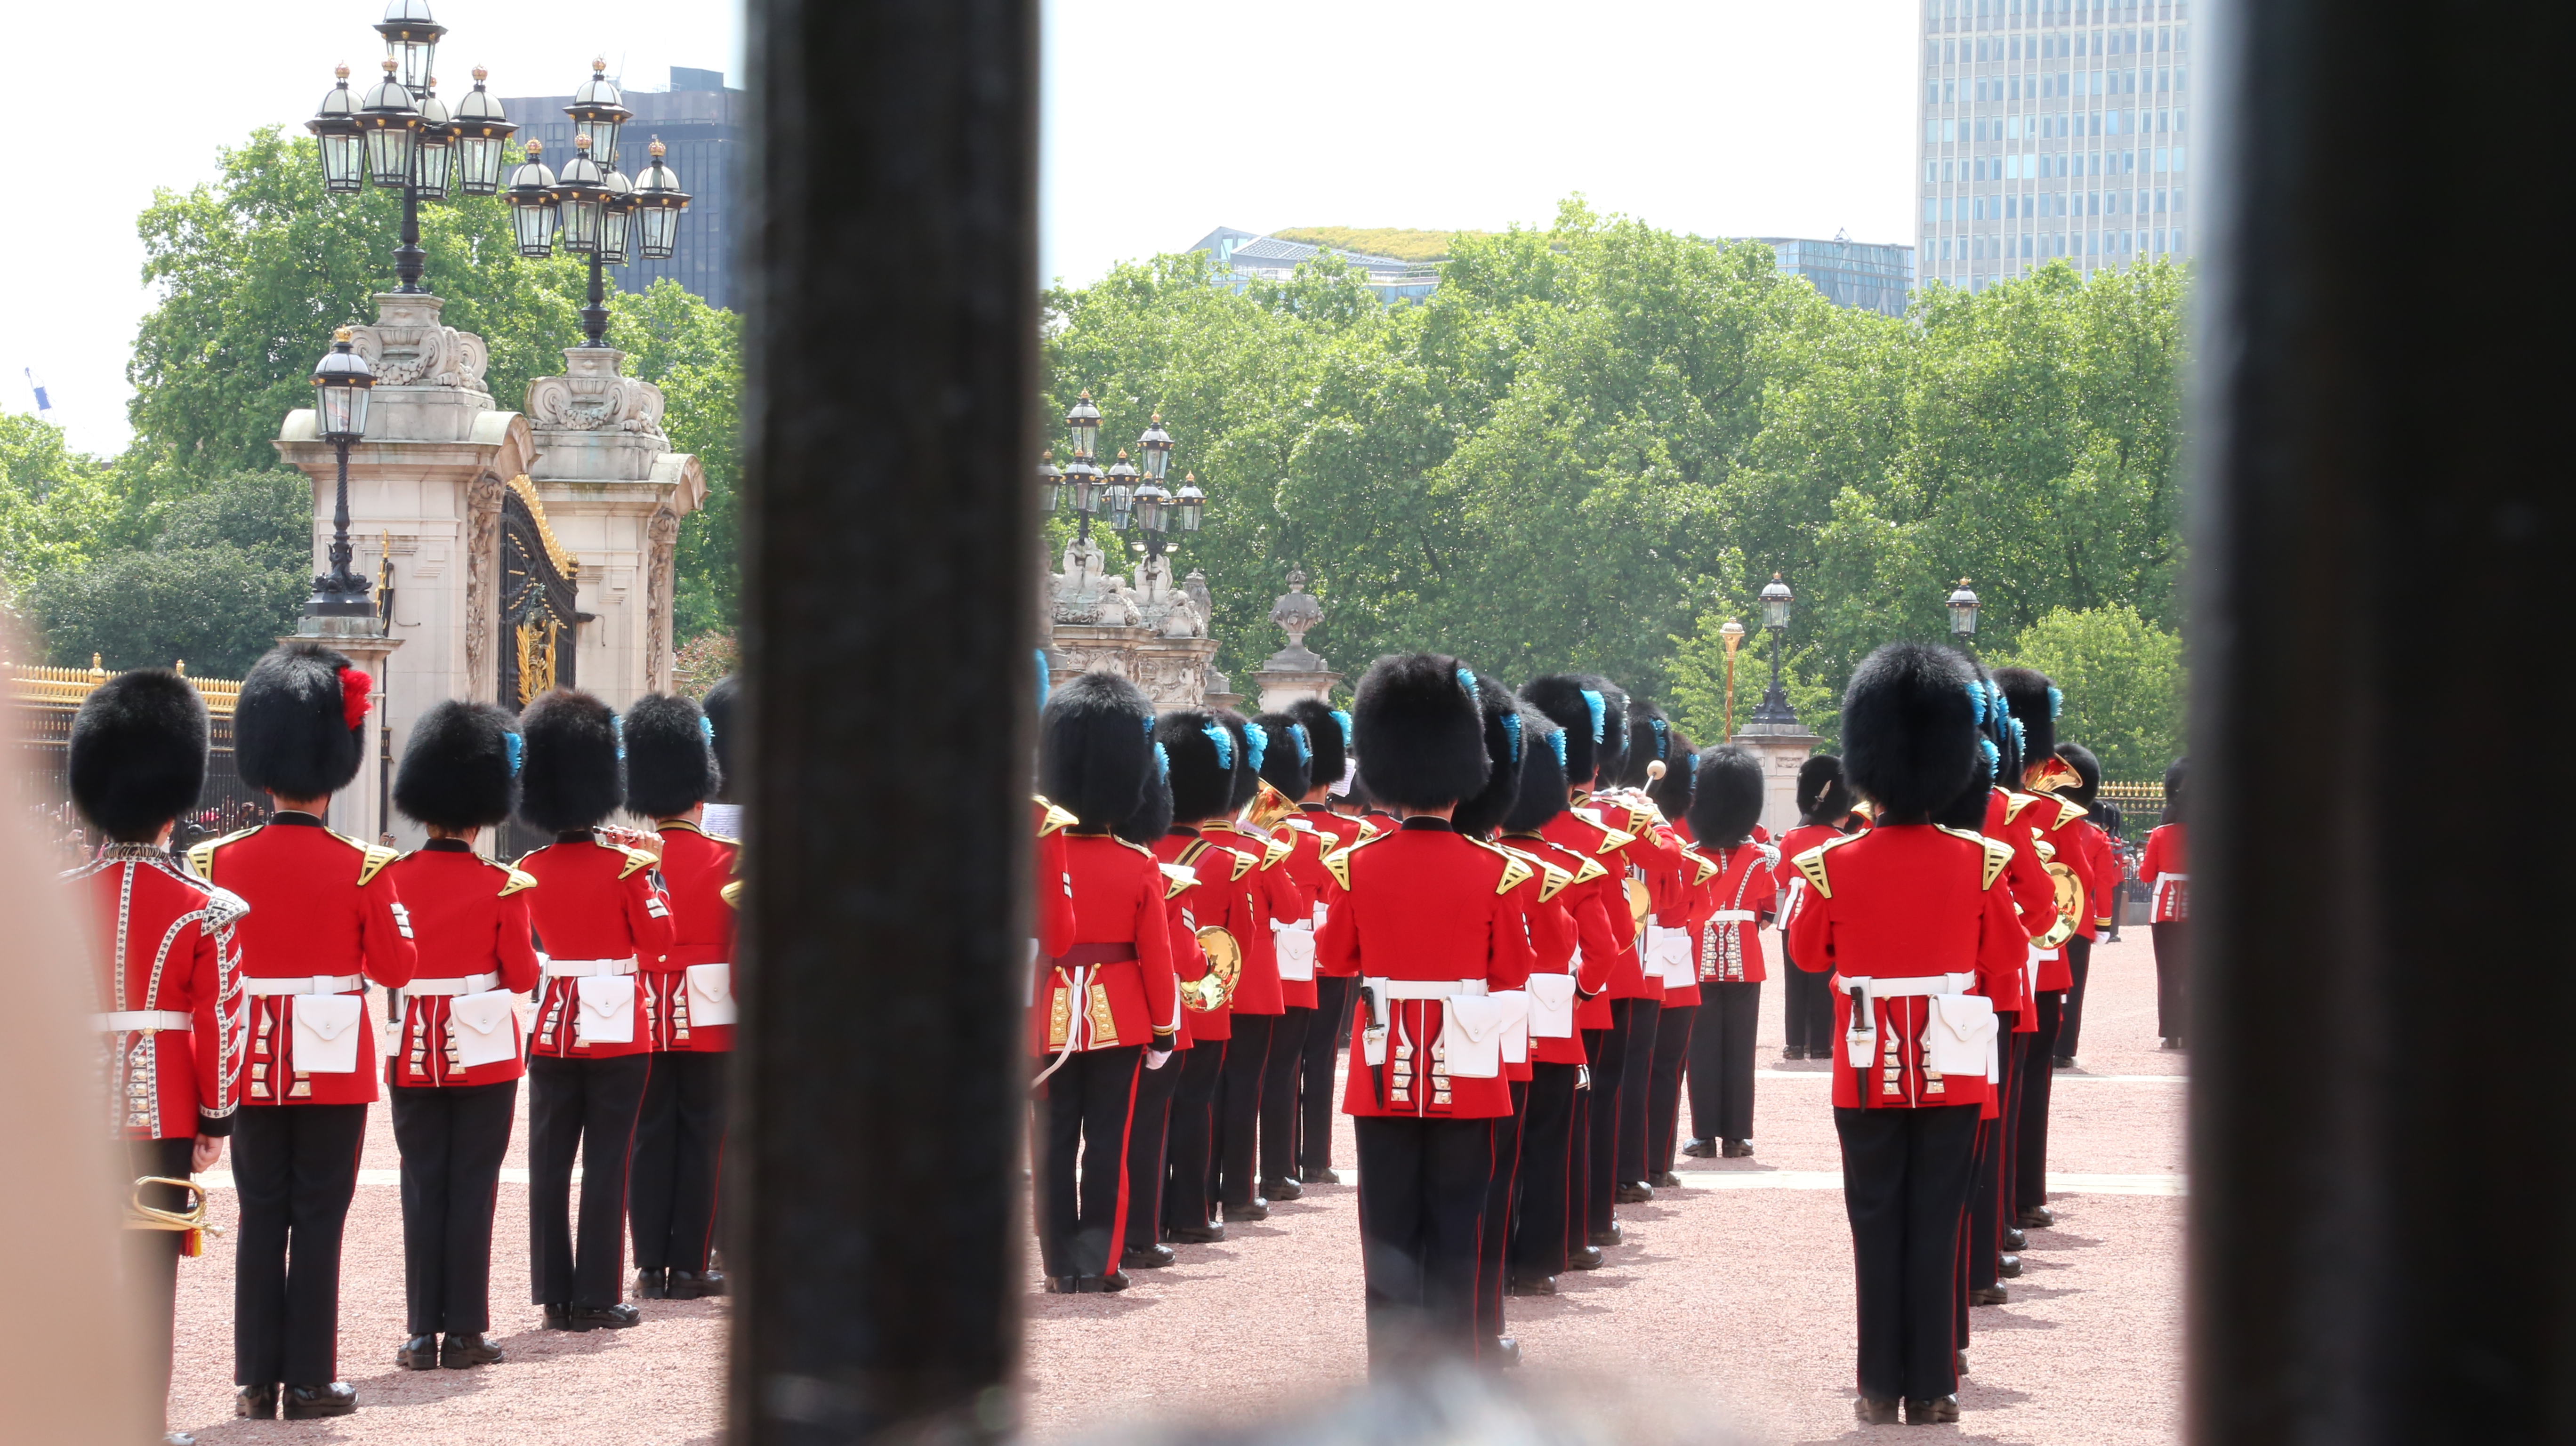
(1126, 1125)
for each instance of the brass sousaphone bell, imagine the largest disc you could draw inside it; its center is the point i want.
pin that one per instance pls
(1214, 989)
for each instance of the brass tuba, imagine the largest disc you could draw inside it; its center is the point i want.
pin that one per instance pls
(1214, 989)
(1268, 807)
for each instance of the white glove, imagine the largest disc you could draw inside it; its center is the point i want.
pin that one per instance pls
(1157, 1058)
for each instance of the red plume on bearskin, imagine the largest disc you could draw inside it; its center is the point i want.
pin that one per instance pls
(292, 729)
(138, 753)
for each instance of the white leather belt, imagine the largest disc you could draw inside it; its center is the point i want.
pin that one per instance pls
(118, 1021)
(587, 968)
(1426, 988)
(1919, 984)
(1733, 916)
(308, 984)
(470, 984)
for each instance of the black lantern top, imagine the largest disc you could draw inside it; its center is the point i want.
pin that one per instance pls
(1963, 611)
(335, 124)
(1084, 419)
(1775, 603)
(411, 37)
(340, 384)
(1156, 446)
(598, 110)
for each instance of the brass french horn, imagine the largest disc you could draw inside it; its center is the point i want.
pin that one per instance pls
(1214, 989)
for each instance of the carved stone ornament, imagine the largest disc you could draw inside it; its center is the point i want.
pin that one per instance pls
(482, 555)
(407, 347)
(1296, 614)
(663, 535)
(592, 397)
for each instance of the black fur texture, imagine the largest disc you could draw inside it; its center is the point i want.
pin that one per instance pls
(455, 771)
(2088, 768)
(1728, 801)
(1823, 797)
(1202, 784)
(670, 768)
(138, 753)
(1560, 697)
(1673, 792)
(1646, 745)
(1324, 731)
(1246, 781)
(1153, 816)
(2176, 773)
(1909, 729)
(1968, 809)
(1281, 767)
(1481, 814)
(291, 737)
(1421, 735)
(1612, 759)
(718, 705)
(2026, 690)
(570, 777)
(1541, 794)
(1093, 752)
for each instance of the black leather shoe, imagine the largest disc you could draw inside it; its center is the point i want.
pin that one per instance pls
(1990, 1295)
(1635, 1192)
(1530, 1285)
(1666, 1181)
(1507, 1352)
(2013, 1238)
(1588, 1257)
(1940, 1410)
(1320, 1175)
(1874, 1412)
(1110, 1284)
(1281, 1189)
(2008, 1265)
(1257, 1209)
(2064, 1061)
(652, 1285)
(306, 1403)
(592, 1317)
(1700, 1149)
(1062, 1285)
(256, 1403)
(1960, 1359)
(466, 1351)
(696, 1284)
(1198, 1234)
(1604, 1239)
(1790, 1054)
(1146, 1257)
(2038, 1217)
(420, 1353)
(1737, 1149)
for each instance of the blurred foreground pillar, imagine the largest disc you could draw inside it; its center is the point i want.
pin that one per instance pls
(2383, 1096)
(872, 1225)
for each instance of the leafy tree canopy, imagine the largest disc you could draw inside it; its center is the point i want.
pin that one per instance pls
(2124, 680)
(225, 574)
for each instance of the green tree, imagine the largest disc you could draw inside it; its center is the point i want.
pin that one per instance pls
(225, 574)
(2124, 683)
(55, 503)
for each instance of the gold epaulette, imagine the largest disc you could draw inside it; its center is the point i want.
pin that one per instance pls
(375, 857)
(732, 894)
(1274, 851)
(1055, 819)
(1708, 867)
(1613, 840)
(635, 859)
(1338, 862)
(519, 880)
(2068, 811)
(201, 857)
(1998, 853)
(1243, 862)
(1516, 870)
(1811, 864)
(1591, 870)
(1177, 879)
(2015, 802)
(1125, 844)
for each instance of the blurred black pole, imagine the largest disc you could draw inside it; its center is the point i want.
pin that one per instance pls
(874, 1218)
(2382, 1094)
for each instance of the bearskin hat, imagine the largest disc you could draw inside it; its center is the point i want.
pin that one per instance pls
(1910, 721)
(1968, 810)
(2088, 772)
(1153, 816)
(1095, 748)
(718, 705)
(2174, 778)
(1611, 759)
(461, 768)
(1727, 801)
(1650, 740)
(1823, 798)
(1541, 794)
(571, 775)
(1419, 731)
(1506, 740)
(1250, 753)
(138, 753)
(297, 725)
(1205, 759)
(670, 757)
(1672, 792)
(1573, 704)
(1328, 734)
(1287, 754)
(2035, 704)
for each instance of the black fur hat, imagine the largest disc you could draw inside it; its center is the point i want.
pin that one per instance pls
(670, 759)
(1968, 809)
(1206, 758)
(1612, 756)
(2035, 703)
(2176, 774)
(1541, 795)
(1650, 739)
(1910, 728)
(1287, 755)
(1673, 792)
(1419, 732)
(298, 726)
(1153, 816)
(1506, 742)
(2087, 768)
(1328, 733)
(1823, 797)
(1572, 703)
(461, 768)
(570, 777)
(138, 753)
(718, 705)
(1094, 748)
(1249, 754)
(1728, 800)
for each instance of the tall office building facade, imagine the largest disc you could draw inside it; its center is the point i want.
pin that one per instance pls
(699, 124)
(2053, 128)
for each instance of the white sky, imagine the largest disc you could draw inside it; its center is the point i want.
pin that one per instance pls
(1722, 117)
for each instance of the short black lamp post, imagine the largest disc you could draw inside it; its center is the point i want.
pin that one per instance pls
(1963, 615)
(1775, 707)
(340, 386)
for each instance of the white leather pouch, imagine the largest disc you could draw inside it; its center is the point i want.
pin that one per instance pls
(1296, 948)
(710, 994)
(487, 1027)
(1551, 1006)
(328, 1030)
(1471, 1035)
(1516, 1034)
(1958, 1033)
(607, 1014)
(1668, 955)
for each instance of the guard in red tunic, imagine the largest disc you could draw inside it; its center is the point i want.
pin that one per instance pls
(2165, 868)
(1906, 916)
(1108, 1007)
(169, 985)
(2102, 875)
(1223, 909)
(1427, 924)
(1281, 758)
(1806, 1000)
(1259, 1003)
(1670, 782)
(679, 1132)
(1476, 819)
(325, 918)
(1725, 933)
(1149, 1131)
(454, 1075)
(1327, 734)
(600, 923)
(1054, 885)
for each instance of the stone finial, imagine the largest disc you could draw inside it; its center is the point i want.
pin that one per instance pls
(1296, 613)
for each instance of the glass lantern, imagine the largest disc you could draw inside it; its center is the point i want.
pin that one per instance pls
(598, 110)
(335, 124)
(392, 124)
(481, 132)
(1963, 611)
(1050, 484)
(535, 211)
(436, 148)
(581, 193)
(658, 204)
(1150, 505)
(616, 219)
(1775, 604)
(1084, 420)
(1156, 448)
(340, 384)
(411, 38)
(1188, 504)
(1085, 481)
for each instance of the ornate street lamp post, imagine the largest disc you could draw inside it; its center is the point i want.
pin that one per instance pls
(592, 209)
(340, 385)
(1733, 635)
(1775, 620)
(1963, 615)
(1139, 503)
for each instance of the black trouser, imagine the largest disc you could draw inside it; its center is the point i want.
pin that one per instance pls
(2172, 940)
(1317, 1101)
(1238, 1107)
(2070, 1022)
(1279, 1092)
(585, 1107)
(295, 1168)
(452, 1140)
(1986, 1219)
(1599, 1187)
(1494, 1231)
(1673, 1040)
(1637, 1088)
(1084, 1115)
(1807, 1006)
(1545, 1197)
(1190, 1136)
(1721, 1072)
(152, 1256)
(1145, 1135)
(1422, 1198)
(2030, 1146)
(1905, 1179)
(679, 1153)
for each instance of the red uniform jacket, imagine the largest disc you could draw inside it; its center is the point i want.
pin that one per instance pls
(2166, 868)
(2101, 871)
(1792, 884)
(1605, 847)
(1214, 899)
(1423, 906)
(1653, 859)
(171, 952)
(1054, 911)
(1726, 927)
(1115, 987)
(595, 902)
(696, 866)
(469, 917)
(2057, 827)
(1569, 933)
(1275, 897)
(1904, 902)
(1342, 830)
(1307, 844)
(1189, 961)
(321, 906)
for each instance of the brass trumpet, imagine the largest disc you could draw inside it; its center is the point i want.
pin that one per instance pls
(190, 1220)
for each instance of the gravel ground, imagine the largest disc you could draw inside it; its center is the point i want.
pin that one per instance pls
(1728, 1312)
